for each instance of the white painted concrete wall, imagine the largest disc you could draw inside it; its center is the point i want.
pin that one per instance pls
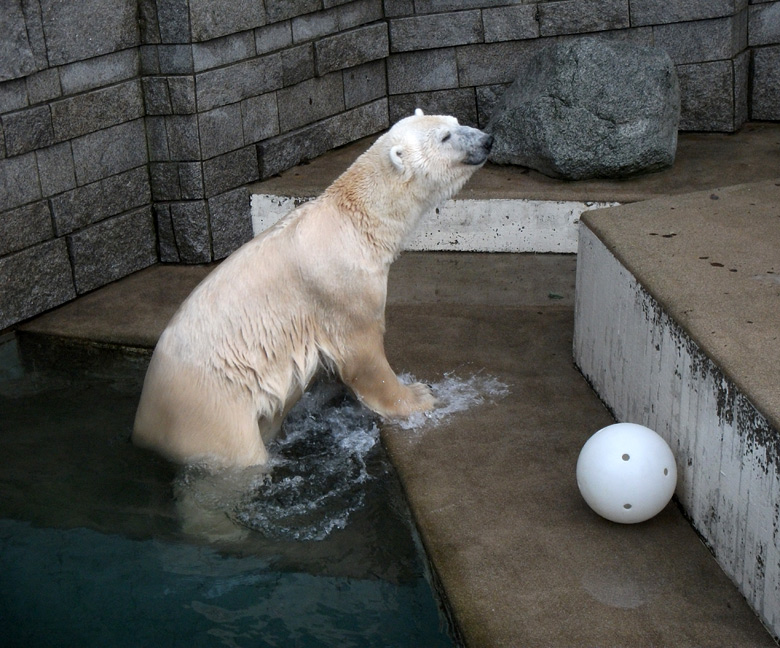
(646, 369)
(472, 225)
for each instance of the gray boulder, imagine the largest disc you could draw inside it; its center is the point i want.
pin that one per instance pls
(590, 109)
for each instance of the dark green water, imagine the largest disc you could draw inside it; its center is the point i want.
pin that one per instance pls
(92, 551)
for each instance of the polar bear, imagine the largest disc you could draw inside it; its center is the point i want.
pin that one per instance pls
(308, 292)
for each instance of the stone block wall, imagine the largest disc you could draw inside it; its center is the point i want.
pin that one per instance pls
(459, 55)
(75, 207)
(129, 129)
(239, 90)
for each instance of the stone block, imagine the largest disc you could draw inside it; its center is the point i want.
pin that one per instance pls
(126, 191)
(44, 86)
(316, 25)
(35, 36)
(157, 98)
(99, 72)
(190, 222)
(422, 71)
(273, 37)
(164, 179)
(460, 103)
(13, 95)
(173, 19)
(148, 23)
(704, 40)
(112, 249)
(238, 81)
(590, 109)
(95, 202)
(166, 239)
(510, 23)
(260, 118)
(183, 137)
(228, 171)
(175, 59)
(86, 29)
(231, 221)
(741, 83)
(660, 12)
(765, 97)
(364, 83)
(2, 141)
(25, 226)
(157, 139)
(493, 63)
(55, 169)
(16, 55)
(214, 18)
(19, 183)
(278, 10)
(764, 24)
(97, 109)
(352, 48)
(28, 130)
(310, 101)
(398, 8)
(581, 16)
(149, 60)
(707, 96)
(191, 180)
(297, 64)
(287, 150)
(436, 31)
(353, 14)
(77, 208)
(220, 130)
(223, 51)
(181, 90)
(438, 6)
(34, 280)
(109, 151)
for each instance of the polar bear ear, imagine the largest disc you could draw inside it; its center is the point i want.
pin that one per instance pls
(397, 156)
(418, 112)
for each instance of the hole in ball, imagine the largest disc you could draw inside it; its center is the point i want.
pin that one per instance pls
(626, 457)
(666, 472)
(626, 506)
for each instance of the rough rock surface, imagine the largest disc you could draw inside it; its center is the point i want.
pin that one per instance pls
(588, 109)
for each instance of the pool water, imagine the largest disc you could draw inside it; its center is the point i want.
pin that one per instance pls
(92, 546)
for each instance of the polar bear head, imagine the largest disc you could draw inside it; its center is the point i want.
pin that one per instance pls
(435, 152)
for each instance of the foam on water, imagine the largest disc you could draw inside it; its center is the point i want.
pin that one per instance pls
(328, 451)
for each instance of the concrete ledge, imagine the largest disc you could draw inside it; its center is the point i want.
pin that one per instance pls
(471, 225)
(676, 328)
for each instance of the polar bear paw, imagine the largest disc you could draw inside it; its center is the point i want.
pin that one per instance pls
(418, 398)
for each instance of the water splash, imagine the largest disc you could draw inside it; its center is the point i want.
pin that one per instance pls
(327, 452)
(455, 394)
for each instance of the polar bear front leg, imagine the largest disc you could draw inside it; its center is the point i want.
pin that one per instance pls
(368, 373)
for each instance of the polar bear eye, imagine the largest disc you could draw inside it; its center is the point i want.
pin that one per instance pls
(446, 137)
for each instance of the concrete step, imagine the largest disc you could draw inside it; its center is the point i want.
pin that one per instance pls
(678, 328)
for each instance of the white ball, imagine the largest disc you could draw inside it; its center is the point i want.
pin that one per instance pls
(626, 473)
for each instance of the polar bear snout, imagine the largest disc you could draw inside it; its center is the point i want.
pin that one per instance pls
(477, 146)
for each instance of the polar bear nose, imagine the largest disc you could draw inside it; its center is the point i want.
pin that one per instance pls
(481, 143)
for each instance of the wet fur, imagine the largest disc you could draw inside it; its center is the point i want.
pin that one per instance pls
(310, 291)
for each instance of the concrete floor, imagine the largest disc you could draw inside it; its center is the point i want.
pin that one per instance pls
(518, 556)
